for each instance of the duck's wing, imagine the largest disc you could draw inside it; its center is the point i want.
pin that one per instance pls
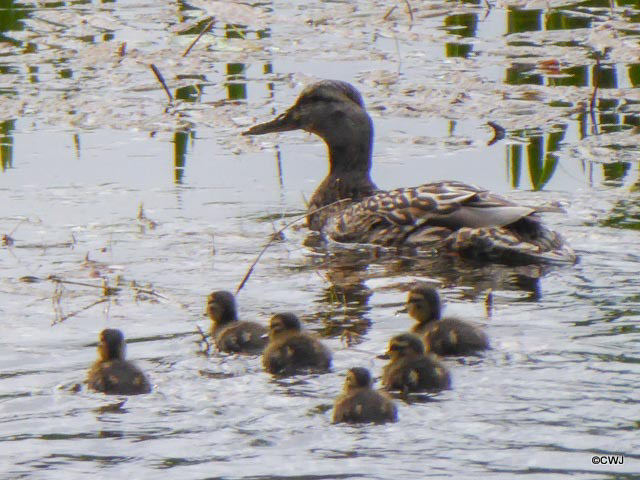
(429, 211)
(455, 216)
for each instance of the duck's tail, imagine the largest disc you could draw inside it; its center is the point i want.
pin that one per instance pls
(524, 241)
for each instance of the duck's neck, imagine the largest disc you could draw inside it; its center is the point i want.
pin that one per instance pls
(349, 175)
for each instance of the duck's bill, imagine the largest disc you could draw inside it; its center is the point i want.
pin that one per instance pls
(282, 123)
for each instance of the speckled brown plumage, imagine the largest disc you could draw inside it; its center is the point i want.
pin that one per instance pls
(111, 373)
(359, 403)
(448, 215)
(411, 370)
(230, 334)
(443, 336)
(291, 351)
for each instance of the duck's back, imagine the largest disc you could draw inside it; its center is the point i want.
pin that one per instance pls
(242, 337)
(452, 336)
(118, 377)
(454, 216)
(296, 352)
(365, 406)
(423, 374)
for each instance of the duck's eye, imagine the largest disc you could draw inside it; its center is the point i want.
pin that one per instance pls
(314, 98)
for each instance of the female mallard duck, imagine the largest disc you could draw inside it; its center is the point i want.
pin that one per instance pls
(443, 336)
(359, 403)
(111, 373)
(292, 351)
(231, 335)
(410, 369)
(349, 207)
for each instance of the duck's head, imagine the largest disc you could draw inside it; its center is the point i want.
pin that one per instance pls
(423, 303)
(332, 109)
(221, 307)
(357, 377)
(112, 345)
(282, 323)
(405, 345)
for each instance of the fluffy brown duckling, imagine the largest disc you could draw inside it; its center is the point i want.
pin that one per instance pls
(291, 351)
(443, 336)
(411, 369)
(111, 373)
(360, 403)
(231, 335)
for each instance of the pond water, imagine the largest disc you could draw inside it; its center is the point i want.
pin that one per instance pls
(104, 183)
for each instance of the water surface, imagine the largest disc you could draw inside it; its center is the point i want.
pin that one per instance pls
(105, 184)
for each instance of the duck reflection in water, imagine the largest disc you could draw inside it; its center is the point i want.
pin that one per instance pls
(111, 373)
(343, 305)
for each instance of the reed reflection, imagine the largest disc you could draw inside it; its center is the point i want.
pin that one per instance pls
(626, 212)
(615, 173)
(12, 15)
(519, 20)
(180, 147)
(236, 81)
(6, 143)
(463, 25)
(634, 74)
(609, 117)
(189, 93)
(541, 159)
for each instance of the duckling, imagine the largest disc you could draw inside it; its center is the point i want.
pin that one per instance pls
(111, 373)
(231, 335)
(360, 403)
(291, 351)
(349, 207)
(411, 370)
(443, 336)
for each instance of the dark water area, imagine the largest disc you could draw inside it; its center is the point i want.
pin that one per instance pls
(105, 185)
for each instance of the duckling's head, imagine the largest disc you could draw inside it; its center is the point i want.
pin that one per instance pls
(405, 345)
(357, 377)
(332, 109)
(221, 307)
(112, 345)
(423, 303)
(282, 323)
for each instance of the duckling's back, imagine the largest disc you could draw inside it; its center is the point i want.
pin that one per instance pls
(422, 374)
(118, 377)
(242, 337)
(365, 406)
(295, 353)
(452, 336)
